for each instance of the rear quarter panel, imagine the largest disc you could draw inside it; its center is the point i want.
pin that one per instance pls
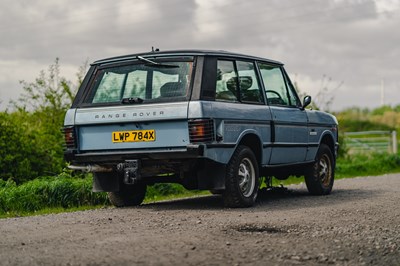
(233, 121)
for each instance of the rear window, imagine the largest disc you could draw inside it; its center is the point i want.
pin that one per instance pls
(141, 81)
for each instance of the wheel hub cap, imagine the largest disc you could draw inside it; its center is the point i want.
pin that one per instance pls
(246, 177)
(324, 171)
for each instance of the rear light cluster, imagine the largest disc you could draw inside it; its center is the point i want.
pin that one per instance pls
(70, 138)
(201, 130)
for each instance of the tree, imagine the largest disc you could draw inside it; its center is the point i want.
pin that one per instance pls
(325, 95)
(49, 91)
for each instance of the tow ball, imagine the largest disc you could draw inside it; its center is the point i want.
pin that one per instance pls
(131, 170)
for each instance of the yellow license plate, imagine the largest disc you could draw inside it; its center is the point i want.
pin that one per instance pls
(134, 136)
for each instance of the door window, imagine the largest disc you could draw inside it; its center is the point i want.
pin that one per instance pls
(275, 86)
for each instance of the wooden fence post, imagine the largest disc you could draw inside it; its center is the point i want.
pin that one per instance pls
(394, 141)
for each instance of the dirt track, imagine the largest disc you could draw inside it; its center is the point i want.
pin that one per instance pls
(358, 224)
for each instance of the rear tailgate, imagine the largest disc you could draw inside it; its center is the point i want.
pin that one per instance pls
(160, 126)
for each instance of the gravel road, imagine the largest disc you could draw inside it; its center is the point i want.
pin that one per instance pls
(358, 224)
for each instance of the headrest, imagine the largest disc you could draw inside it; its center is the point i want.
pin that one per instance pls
(245, 83)
(231, 85)
(172, 89)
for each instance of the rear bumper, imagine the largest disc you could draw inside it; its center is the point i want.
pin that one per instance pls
(109, 157)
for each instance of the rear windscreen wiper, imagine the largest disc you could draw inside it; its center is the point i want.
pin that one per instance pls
(131, 100)
(155, 64)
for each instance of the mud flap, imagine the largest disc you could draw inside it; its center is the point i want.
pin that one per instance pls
(211, 176)
(105, 182)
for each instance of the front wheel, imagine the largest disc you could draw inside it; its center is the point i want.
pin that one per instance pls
(319, 176)
(242, 180)
(128, 195)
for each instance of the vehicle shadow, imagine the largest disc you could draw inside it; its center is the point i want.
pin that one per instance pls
(298, 198)
(282, 198)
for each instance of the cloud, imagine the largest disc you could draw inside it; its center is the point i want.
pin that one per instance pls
(350, 41)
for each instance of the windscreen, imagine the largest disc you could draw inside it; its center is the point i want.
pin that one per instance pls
(141, 81)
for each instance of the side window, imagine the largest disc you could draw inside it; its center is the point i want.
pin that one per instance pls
(228, 80)
(249, 88)
(275, 85)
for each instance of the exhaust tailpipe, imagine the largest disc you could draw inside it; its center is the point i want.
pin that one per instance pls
(90, 168)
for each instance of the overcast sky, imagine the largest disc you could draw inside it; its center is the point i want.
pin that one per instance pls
(349, 48)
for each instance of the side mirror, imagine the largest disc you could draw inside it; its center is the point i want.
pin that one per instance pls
(306, 101)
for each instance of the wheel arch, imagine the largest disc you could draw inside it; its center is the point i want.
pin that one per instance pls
(253, 141)
(328, 140)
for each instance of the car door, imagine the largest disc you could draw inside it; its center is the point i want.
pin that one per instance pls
(289, 121)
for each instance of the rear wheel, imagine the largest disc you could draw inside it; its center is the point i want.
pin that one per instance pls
(242, 180)
(128, 195)
(319, 176)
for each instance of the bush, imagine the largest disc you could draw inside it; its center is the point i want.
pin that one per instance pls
(350, 125)
(30, 146)
(31, 143)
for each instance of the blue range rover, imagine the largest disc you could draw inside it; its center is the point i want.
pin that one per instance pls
(209, 120)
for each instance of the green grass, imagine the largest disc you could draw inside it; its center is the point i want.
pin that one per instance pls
(356, 165)
(52, 210)
(64, 193)
(367, 165)
(48, 192)
(55, 210)
(161, 192)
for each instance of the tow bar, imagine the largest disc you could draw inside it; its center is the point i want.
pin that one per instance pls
(131, 170)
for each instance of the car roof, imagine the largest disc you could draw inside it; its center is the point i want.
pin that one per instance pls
(158, 53)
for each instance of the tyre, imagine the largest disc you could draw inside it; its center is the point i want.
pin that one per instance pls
(128, 195)
(320, 175)
(242, 179)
